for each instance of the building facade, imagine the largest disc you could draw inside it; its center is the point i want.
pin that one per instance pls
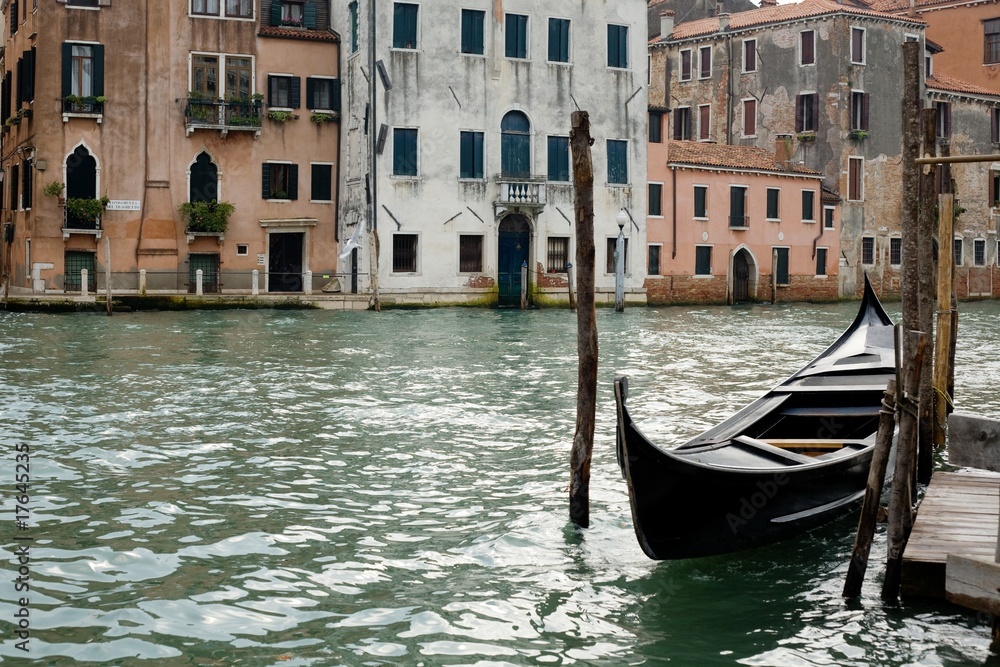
(456, 161)
(736, 224)
(828, 74)
(162, 140)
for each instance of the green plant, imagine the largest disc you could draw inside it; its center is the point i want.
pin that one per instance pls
(279, 195)
(321, 117)
(85, 210)
(207, 216)
(858, 134)
(72, 99)
(807, 136)
(54, 189)
(282, 116)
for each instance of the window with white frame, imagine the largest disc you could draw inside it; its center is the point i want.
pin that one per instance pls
(959, 247)
(230, 9)
(750, 118)
(774, 204)
(685, 65)
(895, 250)
(868, 250)
(216, 76)
(704, 122)
(857, 46)
(807, 47)
(855, 179)
(749, 55)
(979, 252)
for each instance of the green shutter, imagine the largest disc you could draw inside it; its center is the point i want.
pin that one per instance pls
(98, 70)
(295, 92)
(265, 181)
(67, 69)
(311, 93)
(309, 15)
(293, 181)
(335, 95)
(275, 12)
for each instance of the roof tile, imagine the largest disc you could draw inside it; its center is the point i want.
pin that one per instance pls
(731, 157)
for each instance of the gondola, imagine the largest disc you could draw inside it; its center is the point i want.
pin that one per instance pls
(790, 461)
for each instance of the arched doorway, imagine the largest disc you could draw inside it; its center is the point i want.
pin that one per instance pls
(515, 145)
(512, 247)
(744, 276)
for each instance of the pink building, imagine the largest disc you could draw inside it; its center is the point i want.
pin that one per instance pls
(731, 224)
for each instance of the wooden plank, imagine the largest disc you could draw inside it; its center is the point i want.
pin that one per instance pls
(974, 441)
(973, 582)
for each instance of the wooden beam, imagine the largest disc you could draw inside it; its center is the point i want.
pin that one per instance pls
(973, 582)
(954, 159)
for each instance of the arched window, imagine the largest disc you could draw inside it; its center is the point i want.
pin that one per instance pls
(81, 174)
(204, 179)
(515, 145)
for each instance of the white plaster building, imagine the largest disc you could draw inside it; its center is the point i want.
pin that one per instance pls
(456, 144)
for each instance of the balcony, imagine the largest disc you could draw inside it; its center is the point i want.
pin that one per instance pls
(228, 116)
(82, 216)
(83, 107)
(739, 222)
(521, 192)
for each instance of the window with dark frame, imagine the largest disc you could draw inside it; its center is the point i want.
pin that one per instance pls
(705, 62)
(704, 122)
(470, 253)
(682, 123)
(280, 180)
(618, 46)
(703, 260)
(655, 199)
(655, 127)
(404, 25)
(994, 188)
(821, 261)
(404, 151)
(806, 112)
(991, 41)
(321, 182)
(610, 268)
(979, 252)
(943, 119)
(557, 254)
(322, 93)
(558, 40)
(470, 160)
(404, 253)
(558, 159)
(855, 178)
(617, 162)
(516, 36)
(701, 201)
(27, 173)
(284, 91)
(738, 217)
(653, 263)
(868, 250)
(15, 183)
(773, 201)
(807, 47)
(995, 125)
(749, 118)
(859, 110)
(959, 246)
(749, 55)
(808, 206)
(781, 267)
(685, 65)
(355, 26)
(473, 31)
(828, 222)
(858, 46)
(895, 251)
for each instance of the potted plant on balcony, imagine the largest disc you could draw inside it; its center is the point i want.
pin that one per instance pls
(55, 189)
(279, 116)
(858, 135)
(208, 217)
(84, 212)
(321, 117)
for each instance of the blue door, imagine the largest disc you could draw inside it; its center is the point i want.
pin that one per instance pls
(513, 244)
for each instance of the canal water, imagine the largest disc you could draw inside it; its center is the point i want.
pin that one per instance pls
(337, 488)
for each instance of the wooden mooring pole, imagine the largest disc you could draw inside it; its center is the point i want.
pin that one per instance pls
(873, 493)
(942, 347)
(107, 273)
(586, 319)
(925, 293)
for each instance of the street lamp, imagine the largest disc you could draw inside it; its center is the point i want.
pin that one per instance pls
(622, 220)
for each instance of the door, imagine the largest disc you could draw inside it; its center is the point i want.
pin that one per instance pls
(285, 262)
(513, 244)
(741, 278)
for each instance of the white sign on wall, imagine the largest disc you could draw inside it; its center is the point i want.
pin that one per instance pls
(261, 259)
(124, 205)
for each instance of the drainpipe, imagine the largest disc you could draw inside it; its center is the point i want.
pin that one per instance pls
(822, 228)
(673, 214)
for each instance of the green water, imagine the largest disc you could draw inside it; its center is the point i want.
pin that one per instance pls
(327, 488)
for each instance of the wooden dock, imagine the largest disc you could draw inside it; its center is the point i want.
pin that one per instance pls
(958, 515)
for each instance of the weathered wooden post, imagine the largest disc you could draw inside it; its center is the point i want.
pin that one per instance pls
(901, 500)
(569, 279)
(586, 320)
(873, 492)
(524, 285)
(107, 273)
(942, 347)
(925, 291)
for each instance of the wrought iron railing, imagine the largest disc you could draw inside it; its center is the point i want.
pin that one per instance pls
(739, 221)
(234, 115)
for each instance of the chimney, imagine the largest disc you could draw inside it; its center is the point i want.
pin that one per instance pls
(783, 150)
(667, 23)
(723, 22)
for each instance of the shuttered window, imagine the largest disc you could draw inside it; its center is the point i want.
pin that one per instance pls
(685, 65)
(858, 46)
(558, 159)
(995, 125)
(617, 162)
(808, 206)
(749, 55)
(991, 41)
(83, 69)
(27, 174)
(15, 182)
(404, 152)
(353, 10)
(404, 25)
(703, 260)
(559, 40)
(705, 62)
(653, 263)
(943, 119)
(655, 127)
(806, 112)
(280, 180)
(471, 155)
(859, 110)
(284, 91)
(781, 265)
(773, 204)
(618, 46)
(749, 118)
(682, 123)
(321, 185)
(322, 94)
(656, 199)
(855, 179)
(701, 201)
(515, 145)
(738, 206)
(473, 21)
(979, 252)
(516, 36)
(704, 122)
(807, 47)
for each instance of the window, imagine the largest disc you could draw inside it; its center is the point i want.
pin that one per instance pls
(557, 254)
(404, 25)
(515, 145)
(807, 47)
(284, 91)
(685, 65)
(26, 77)
(27, 172)
(612, 242)
(828, 218)
(994, 188)
(749, 55)
(859, 110)
(280, 180)
(991, 41)
(473, 41)
(655, 127)
(995, 125)
(558, 40)
(470, 253)
(704, 122)
(83, 69)
(855, 178)
(858, 46)
(242, 9)
(749, 118)
(558, 155)
(868, 250)
(895, 251)
(701, 201)
(958, 245)
(242, 249)
(321, 182)
(806, 112)
(208, 264)
(322, 94)
(204, 179)
(703, 260)
(355, 28)
(705, 62)
(821, 261)
(516, 31)
(294, 14)
(618, 46)
(15, 183)
(14, 22)
(470, 158)
(75, 262)
(738, 217)
(943, 119)
(653, 265)
(773, 201)
(404, 152)
(682, 123)
(404, 253)
(237, 81)
(809, 206)
(979, 252)
(781, 266)
(617, 162)
(656, 199)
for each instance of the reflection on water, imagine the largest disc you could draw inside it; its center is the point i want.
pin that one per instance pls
(311, 488)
